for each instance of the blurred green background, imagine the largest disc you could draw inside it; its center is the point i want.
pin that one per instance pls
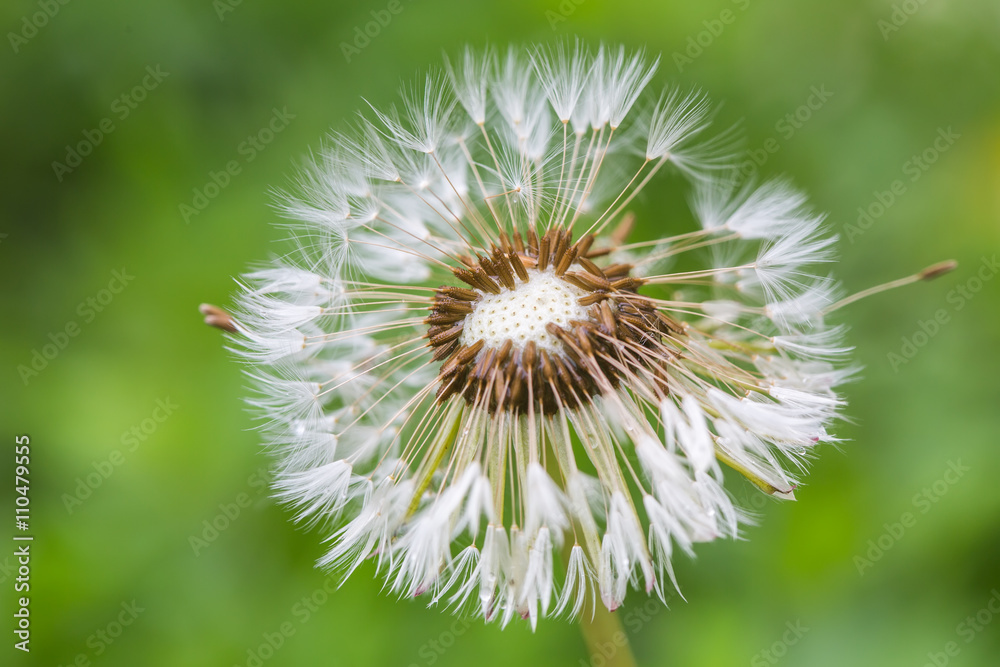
(144, 377)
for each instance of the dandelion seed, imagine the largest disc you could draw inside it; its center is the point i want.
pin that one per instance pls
(472, 380)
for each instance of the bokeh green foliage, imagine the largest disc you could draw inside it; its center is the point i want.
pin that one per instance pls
(120, 208)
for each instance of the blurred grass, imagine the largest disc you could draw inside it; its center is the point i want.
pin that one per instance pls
(131, 538)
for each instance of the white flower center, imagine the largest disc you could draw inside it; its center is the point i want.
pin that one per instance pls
(521, 314)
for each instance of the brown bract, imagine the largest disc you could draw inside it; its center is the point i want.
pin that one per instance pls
(624, 331)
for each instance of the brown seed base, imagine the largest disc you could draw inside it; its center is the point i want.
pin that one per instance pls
(624, 330)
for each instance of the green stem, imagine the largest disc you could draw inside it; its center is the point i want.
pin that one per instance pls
(606, 640)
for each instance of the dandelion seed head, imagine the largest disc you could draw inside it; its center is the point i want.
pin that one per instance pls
(474, 378)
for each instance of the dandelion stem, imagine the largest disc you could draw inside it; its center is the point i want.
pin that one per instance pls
(606, 640)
